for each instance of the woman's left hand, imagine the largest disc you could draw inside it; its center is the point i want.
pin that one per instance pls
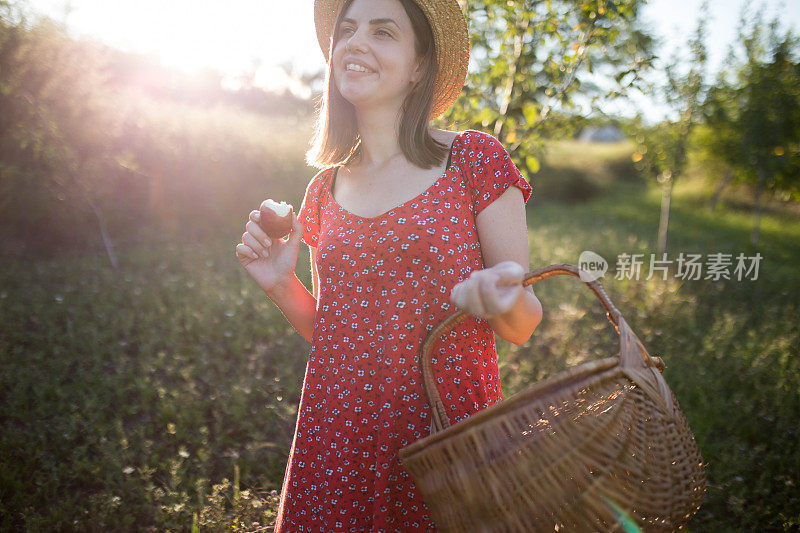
(491, 291)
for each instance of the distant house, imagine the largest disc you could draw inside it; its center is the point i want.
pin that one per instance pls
(606, 134)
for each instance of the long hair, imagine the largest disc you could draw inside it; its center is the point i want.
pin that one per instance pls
(336, 139)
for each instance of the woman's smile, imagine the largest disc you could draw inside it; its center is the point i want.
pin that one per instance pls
(374, 58)
(353, 66)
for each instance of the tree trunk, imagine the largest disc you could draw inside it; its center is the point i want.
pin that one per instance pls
(762, 177)
(721, 186)
(663, 225)
(98, 212)
(101, 221)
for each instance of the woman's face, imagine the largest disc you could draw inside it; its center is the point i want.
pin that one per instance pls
(374, 60)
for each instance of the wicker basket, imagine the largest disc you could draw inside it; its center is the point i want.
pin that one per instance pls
(602, 446)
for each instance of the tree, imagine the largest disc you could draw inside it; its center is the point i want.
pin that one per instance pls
(532, 57)
(663, 148)
(55, 134)
(754, 115)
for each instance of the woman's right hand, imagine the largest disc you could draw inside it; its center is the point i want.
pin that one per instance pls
(270, 262)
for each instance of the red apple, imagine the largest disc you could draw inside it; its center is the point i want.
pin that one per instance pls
(276, 218)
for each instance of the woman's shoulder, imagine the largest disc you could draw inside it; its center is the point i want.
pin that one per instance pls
(319, 182)
(324, 173)
(480, 138)
(468, 138)
(322, 177)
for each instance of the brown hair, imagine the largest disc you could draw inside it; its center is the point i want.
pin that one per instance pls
(336, 140)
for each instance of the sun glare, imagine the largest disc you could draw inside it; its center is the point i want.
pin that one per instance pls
(234, 38)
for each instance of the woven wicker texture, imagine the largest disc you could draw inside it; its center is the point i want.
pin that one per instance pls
(450, 35)
(602, 446)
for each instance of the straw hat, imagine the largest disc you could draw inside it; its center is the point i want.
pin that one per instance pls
(450, 35)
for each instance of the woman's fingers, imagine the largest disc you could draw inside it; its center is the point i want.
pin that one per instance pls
(255, 242)
(491, 291)
(258, 234)
(488, 290)
(496, 297)
(504, 298)
(510, 276)
(297, 229)
(260, 248)
(510, 272)
(244, 251)
(466, 296)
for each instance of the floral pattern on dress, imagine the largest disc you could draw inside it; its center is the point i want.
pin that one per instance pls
(384, 284)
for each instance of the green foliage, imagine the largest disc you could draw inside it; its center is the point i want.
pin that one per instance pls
(753, 112)
(533, 57)
(730, 347)
(663, 148)
(43, 98)
(91, 137)
(574, 171)
(126, 397)
(656, 153)
(229, 509)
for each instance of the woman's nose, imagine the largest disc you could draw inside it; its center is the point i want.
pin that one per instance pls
(356, 42)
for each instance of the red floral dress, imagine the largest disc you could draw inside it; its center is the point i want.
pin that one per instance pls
(385, 283)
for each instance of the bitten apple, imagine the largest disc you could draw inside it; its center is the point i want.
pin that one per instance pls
(276, 218)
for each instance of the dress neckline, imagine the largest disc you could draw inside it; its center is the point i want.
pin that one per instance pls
(423, 193)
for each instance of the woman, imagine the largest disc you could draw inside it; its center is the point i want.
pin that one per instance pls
(403, 223)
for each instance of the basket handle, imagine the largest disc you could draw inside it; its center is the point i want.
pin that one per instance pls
(633, 355)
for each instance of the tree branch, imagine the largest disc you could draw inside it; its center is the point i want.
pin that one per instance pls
(509, 88)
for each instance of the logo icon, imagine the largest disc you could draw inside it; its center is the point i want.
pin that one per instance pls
(592, 266)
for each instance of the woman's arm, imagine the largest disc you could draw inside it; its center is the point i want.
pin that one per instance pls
(297, 304)
(271, 263)
(496, 292)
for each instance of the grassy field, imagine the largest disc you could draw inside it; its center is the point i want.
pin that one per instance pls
(164, 396)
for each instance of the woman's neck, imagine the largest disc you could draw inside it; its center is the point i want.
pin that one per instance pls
(380, 141)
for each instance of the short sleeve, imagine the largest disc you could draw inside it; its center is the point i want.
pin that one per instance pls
(490, 170)
(309, 214)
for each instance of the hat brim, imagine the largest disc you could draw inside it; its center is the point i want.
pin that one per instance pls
(450, 35)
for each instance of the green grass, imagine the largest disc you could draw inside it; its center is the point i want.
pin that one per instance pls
(164, 396)
(731, 347)
(126, 397)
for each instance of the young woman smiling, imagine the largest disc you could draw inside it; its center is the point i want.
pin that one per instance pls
(404, 222)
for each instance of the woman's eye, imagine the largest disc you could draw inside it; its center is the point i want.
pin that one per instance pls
(383, 33)
(346, 31)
